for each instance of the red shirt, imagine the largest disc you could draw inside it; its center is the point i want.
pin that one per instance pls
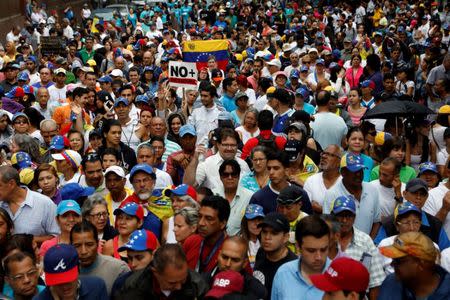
(192, 250)
(253, 142)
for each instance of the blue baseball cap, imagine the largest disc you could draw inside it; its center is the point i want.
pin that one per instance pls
(352, 162)
(149, 69)
(404, 208)
(140, 240)
(19, 114)
(254, 211)
(416, 184)
(344, 203)
(57, 143)
(61, 265)
(146, 168)
(187, 129)
(23, 76)
(105, 79)
(75, 191)
(121, 100)
(336, 53)
(427, 166)
(320, 61)
(21, 159)
(182, 190)
(295, 74)
(142, 98)
(68, 205)
(302, 92)
(131, 209)
(32, 58)
(304, 69)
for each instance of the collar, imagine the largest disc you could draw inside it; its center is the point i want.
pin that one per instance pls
(299, 273)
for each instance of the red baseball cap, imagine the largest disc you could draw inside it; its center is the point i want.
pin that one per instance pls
(226, 282)
(344, 274)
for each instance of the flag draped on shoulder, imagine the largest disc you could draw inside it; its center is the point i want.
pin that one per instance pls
(199, 51)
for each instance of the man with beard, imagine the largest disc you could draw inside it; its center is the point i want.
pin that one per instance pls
(202, 249)
(143, 179)
(317, 184)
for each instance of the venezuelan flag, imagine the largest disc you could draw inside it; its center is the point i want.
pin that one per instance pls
(199, 51)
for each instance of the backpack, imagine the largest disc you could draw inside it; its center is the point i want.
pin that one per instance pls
(268, 143)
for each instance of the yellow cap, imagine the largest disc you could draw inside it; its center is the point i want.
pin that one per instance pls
(91, 62)
(445, 109)
(26, 176)
(411, 243)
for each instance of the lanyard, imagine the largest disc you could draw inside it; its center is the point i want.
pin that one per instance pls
(201, 265)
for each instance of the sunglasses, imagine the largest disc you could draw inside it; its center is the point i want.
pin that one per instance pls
(229, 174)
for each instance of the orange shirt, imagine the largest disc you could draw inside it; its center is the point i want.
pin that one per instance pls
(62, 116)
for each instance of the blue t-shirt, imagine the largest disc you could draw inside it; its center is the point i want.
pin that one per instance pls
(228, 102)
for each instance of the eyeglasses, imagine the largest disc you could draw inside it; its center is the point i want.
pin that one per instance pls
(412, 223)
(325, 153)
(20, 122)
(229, 174)
(21, 277)
(258, 160)
(100, 215)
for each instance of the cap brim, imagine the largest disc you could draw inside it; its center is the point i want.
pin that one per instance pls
(60, 278)
(67, 210)
(355, 168)
(58, 156)
(392, 252)
(341, 209)
(416, 188)
(253, 216)
(132, 248)
(217, 293)
(55, 148)
(323, 283)
(275, 226)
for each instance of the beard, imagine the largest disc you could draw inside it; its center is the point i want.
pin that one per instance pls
(144, 196)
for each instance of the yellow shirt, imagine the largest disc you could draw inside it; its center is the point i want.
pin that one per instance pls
(309, 168)
(291, 243)
(109, 201)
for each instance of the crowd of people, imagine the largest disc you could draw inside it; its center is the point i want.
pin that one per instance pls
(268, 179)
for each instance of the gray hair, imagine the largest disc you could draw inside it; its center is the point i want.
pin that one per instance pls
(189, 214)
(259, 148)
(29, 145)
(146, 145)
(90, 203)
(8, 173)
(333, 221)
(48, 124)
(251, 110)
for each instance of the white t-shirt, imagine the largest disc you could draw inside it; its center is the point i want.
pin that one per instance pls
(58, 95)
(386, 196)
(315, 187)
(442, 157)
(434, 204)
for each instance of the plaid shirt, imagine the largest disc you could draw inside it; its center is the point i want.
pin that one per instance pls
(363, 249)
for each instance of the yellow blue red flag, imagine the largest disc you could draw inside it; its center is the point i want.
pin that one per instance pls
(199, 51)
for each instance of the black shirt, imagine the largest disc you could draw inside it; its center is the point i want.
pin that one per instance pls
(265, 269)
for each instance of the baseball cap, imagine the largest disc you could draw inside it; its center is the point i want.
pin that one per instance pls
(254, 211)
(226, 282)
(352, 162)
(277, 221)
(57, 143)
(116, 170)
(304, 69)
(182, 190)
(146, 168)
(320, 61)
(105, 79)
(121, 100)
(302, 92)
(415, 185)
(368, 83)
(87, 69)
(19, 114)
(26, 175)
(60, 70)
(343, 274)
(140, 240)
(280, 73)
(295, 74)
(60, 264)
(71, 156)
(23, 76)
(142, 99)
(344, 203)
(240, 95)
(299, 126)
(75, 191)
(131, 209)
(312, 50)
(68, 205)
(411, 243)
(381, 137)
(404, 208)
(21, 159)
(187, 129)
(290, 195)
(293, 149)
(427, 166)
(225, 115)
(116, 73)
(275, 62)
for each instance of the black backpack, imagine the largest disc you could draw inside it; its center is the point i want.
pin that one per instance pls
(268, 143)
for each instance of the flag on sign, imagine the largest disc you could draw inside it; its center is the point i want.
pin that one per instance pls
(199, 51)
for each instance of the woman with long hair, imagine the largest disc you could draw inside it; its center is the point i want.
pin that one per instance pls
(355, 71)
(254, 214)
(28, 144)
(354, 108)
(249, 127)
(76, 141)
(6, 130)
(47, 180)
(418, 146)
(174, 123)
(355, 142)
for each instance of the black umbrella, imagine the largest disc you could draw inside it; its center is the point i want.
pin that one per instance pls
(397, 108)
